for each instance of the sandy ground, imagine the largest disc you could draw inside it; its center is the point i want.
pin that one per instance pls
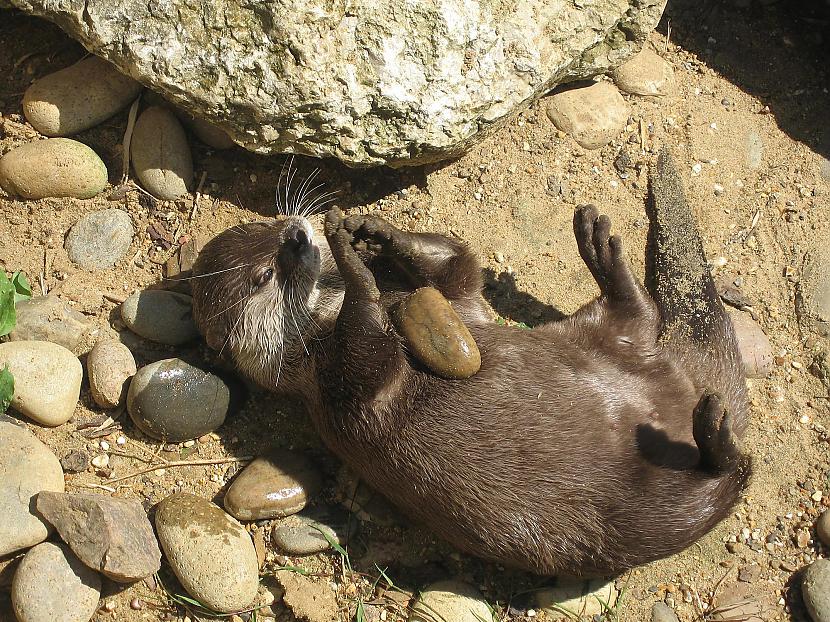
(759, 70)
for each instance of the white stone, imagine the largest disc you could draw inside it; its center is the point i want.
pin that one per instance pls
(592, 115)
(646, 74)
(450, 600)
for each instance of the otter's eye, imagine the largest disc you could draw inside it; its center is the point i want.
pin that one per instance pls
(264, 277)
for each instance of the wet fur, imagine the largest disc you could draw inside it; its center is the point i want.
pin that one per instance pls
(585, 446)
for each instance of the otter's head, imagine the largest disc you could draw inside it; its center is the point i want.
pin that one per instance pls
(263, 293)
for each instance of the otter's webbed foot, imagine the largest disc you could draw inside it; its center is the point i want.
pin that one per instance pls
(714, 436)
(602, 253)
(357, 277)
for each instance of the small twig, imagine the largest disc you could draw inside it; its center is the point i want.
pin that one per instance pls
(128, 135)
(668, 35)
(95, 486)
(183, 463)
(196, 196)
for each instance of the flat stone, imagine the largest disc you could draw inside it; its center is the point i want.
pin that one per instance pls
(160, 315)
(52, 585)
(99, 239)
(815, 587)
(577, 596)
(110, 366)
(47, 318)
(592, 115)
(47, 380)
(308, 600)
(209, 551)
(110, 535)
(450, 600)
(754, 150)
(78, 97)
(302, 534)
(275, 485)
(646, 73)
(823, 528)
(753, 344)
(161, 154)
(75, 461)
(27, 467)
(174, 401)
(661, 612)
(813, 292)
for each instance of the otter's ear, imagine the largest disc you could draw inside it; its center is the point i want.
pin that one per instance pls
(215, 339)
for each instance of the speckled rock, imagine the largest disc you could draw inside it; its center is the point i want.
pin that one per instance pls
(813, 293)
(160, 315)
(646, 73)
(161, 154)
(301, 534)
(175, 401)
(210, 552)
(753, 344)
(276, 484)
(815, 587)
(661, 612)
(27, 466)
(52, 585)
(583, 597)
(47, 379)
(592, 115)
(823, 528)
(99, 239)
(110, 365)
(78, 97)
(55, 167)
(47, 318)
(450, 600)
(111, 535)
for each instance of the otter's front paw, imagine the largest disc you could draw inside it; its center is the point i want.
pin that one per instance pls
(354, 272)
(372, 233)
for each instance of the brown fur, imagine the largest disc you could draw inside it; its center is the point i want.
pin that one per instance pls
(585, 446)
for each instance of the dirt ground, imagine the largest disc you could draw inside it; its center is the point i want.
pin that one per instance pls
(758, 70)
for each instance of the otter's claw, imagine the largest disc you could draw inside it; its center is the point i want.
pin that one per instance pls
(356, 275)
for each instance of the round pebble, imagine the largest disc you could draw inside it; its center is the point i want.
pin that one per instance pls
(208, 133)
(753, 344)
(813, 296)
(815, 587)
(110, 366)
(160, 315)
(209, 551)
(582, 596)
(823, 528)
(52, 585)
(78, 97)
(161, 154)
(47, 379)
(301, 534)
(450, 600)
(46, 318)
(646, 73)
(275, 485)
(55, 167)
(661, 612)
(99, 239)
(592, 115)
(27, 466)
(174, 401)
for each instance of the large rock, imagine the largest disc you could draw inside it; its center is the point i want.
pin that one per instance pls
(370, 81)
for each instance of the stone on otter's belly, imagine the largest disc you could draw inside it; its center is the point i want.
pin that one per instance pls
(435, 334)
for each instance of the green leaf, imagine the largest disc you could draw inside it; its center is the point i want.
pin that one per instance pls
(360, 616)
(22, 289)
(7, 315)
(6, 389)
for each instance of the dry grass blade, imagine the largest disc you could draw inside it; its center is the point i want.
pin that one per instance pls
(128, 135)
(181, 463)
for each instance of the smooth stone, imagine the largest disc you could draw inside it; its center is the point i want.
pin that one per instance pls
(27, 467)
(753, 344)
(754, 150)
(108, 534)
(275, 485)
(300, 534)
(160, 315)
(661, 612)
(99, 239)
(110, 365)
(161, 154)
(209, 551)
(55, 167)
(647, 74)
(823, 528)
(174, 401)
(78, 97)
(47, 380)
(210, 134)
(450, 600)
(436, 336)
(308, 600)
(813, 292)
(52, 585)
(47, 318)
(592, 115)
(578, 597)
(815, 588)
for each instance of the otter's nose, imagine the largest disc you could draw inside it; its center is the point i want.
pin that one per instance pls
(296, 236)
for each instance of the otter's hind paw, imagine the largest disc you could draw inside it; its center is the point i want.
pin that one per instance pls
(712, 430)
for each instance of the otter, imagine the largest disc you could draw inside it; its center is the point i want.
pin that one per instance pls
(582, 447)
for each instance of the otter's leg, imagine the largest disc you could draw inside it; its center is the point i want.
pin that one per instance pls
(427, 258)
(714, 435)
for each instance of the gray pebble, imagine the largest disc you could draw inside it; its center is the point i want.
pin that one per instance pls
(161, 154)
(75, 462)
(823, 528)
(450, 600)
(661, 612)
(300, 534)
(815, 587)
(110, 365)
(587, 597)
(52, 585)
(46, 318)
(174, 401)
(160, 315)
(754, 150)
(100, 239)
